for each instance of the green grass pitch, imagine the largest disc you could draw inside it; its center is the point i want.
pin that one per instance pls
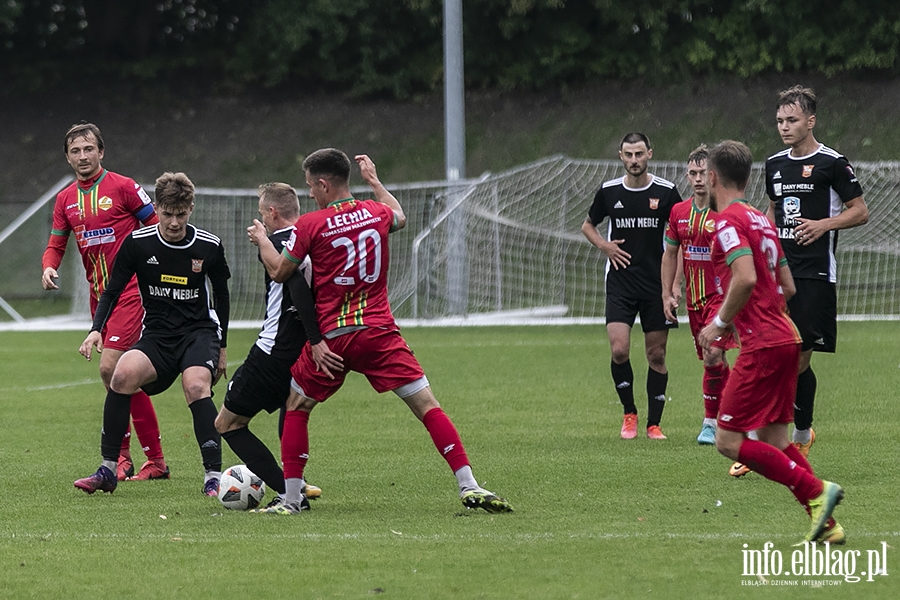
(595, 516)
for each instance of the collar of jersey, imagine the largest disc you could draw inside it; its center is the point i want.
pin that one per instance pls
(92, 182)
(341, 201)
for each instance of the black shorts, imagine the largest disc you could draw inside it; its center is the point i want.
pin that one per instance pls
(814, 311)
(261, 383)
(620, 309)
(171, 355)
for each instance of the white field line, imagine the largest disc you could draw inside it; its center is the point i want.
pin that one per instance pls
(551, 537)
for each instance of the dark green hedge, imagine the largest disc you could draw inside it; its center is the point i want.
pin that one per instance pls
(394, 47)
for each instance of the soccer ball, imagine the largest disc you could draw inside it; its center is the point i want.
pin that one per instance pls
(240, 489)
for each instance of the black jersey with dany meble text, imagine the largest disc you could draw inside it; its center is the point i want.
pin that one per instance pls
(183, 285)
(637, 216)
(809, 187)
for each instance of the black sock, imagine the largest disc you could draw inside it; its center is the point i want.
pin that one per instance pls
(116, 420)
(656, 396)
(806, 396)
(209, 440)
(256, 456)
(623, 377)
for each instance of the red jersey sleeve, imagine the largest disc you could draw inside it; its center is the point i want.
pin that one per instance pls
(59, 236)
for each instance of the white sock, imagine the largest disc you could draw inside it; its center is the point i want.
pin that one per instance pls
(709, 422)
(293, 489)
(110, 464)
(465, 479)
(753, 436)
(801, 435)
(212, 475)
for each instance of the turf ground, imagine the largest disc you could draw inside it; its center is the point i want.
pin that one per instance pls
(596, 516)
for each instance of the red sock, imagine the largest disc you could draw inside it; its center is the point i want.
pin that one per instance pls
(714, 380)
(295, 443)
(772, 463)
(792, 453)
(126, 443)
(146, 426)
(445, 438)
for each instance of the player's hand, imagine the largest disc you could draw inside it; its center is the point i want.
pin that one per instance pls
(48, 279)
(87, 346)
(222, 367)
(617, 257)
(709, 334)
(325, 360)
(366, 168)
(670, 305)
(256, 232)
(808, 231)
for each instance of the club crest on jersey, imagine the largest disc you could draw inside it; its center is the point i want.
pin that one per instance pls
(709, 225)
(654, 203)
(197, 265)
(105, 203)
(807, 170)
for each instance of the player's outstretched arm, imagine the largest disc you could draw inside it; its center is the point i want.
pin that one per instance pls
(370, 176)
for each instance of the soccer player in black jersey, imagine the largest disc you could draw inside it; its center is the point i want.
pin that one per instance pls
(814, 193)
(263, 381)
(185, 326)
(637, 206)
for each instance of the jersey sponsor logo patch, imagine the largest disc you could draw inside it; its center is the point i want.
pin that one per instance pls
(105, 203)
(807, 170)
(197, 265)
(777, 189)
(654, 203)
(791, 208)
(173, 279)
(152, 261)
(698, 253)
(728, 238)
(94, 237)
(618, 204)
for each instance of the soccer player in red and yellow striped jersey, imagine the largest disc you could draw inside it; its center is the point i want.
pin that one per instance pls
(690, 230)
(101, 208)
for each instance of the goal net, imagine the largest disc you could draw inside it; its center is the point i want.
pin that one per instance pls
(500, 249)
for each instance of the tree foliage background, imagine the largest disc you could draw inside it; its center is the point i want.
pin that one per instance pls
(394, 47)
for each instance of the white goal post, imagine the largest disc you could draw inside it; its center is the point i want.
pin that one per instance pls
(523, 259)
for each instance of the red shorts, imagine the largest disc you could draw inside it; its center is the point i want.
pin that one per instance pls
(761, 389)
(382, 355)
(698, 319)
(123, 328)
